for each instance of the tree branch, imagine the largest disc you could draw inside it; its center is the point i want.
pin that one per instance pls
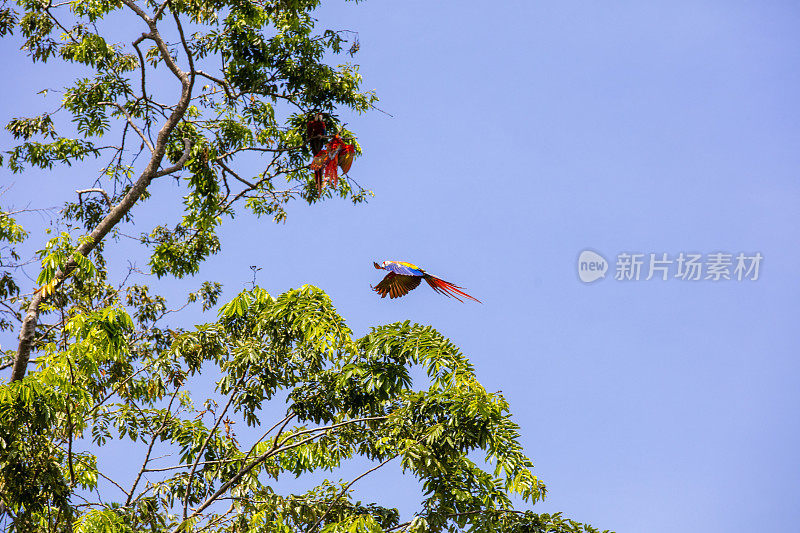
(187, 148)
(150, 447)
(457, 515)
(344, 490)
(130, 121)
(28, 329)
(141, 62)
(234, 174)
(275, 449)
(112, 481)
(203, 447)
(95, 189)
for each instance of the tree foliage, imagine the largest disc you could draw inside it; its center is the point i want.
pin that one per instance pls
(296, 393)
(264, 72)
(344, 397)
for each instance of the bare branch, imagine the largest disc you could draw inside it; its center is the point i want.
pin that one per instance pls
(223, 83)
(10, 363)
(66, 32)
(141, 61)
(183, 466)
(99, 473)
(220, 519)
(466, 513)
(186, 50)
(119, 386)
(139, 11)
(160, 10)
(281, 423)
(81, 192)
(257, 149)
(327, 428)
(266, 177)
(235, 175)
(160, 43)
(130, 121)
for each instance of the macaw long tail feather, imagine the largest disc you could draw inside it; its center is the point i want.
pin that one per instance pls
(331, 173)
(318, 180)
(317, 165)
(447, 288)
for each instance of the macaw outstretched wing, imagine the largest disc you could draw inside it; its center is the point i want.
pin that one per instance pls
(346, 156)
(396, 285)
(319, 160)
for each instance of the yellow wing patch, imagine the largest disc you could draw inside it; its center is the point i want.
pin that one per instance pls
(404, 263)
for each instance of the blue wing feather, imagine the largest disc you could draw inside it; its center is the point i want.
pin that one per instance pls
(403, 269)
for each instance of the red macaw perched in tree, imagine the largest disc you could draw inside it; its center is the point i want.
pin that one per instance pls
(336, 153)
(404, 277)
(315, 133)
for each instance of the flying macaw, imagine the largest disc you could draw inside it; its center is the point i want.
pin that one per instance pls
(315, 132)
(336, 153)
(404, 277)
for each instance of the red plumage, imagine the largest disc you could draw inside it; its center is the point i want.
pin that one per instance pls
(317, 164)
(404, 277)
(346, 156)
(315, 133)
(445, 287)
(331, 170)
(327, 160)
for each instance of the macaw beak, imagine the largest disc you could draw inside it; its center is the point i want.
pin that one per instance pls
(377, 265)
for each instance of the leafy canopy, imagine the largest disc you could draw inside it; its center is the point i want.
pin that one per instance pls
(250, 75)
(345, 397)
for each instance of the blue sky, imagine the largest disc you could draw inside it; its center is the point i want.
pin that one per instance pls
(521, 134)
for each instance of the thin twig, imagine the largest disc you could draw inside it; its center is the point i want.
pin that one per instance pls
(205, 443)
(150, 447)
(234, 174)
(112, 481)
(129, 118)
(274, 450)
(344, 490)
